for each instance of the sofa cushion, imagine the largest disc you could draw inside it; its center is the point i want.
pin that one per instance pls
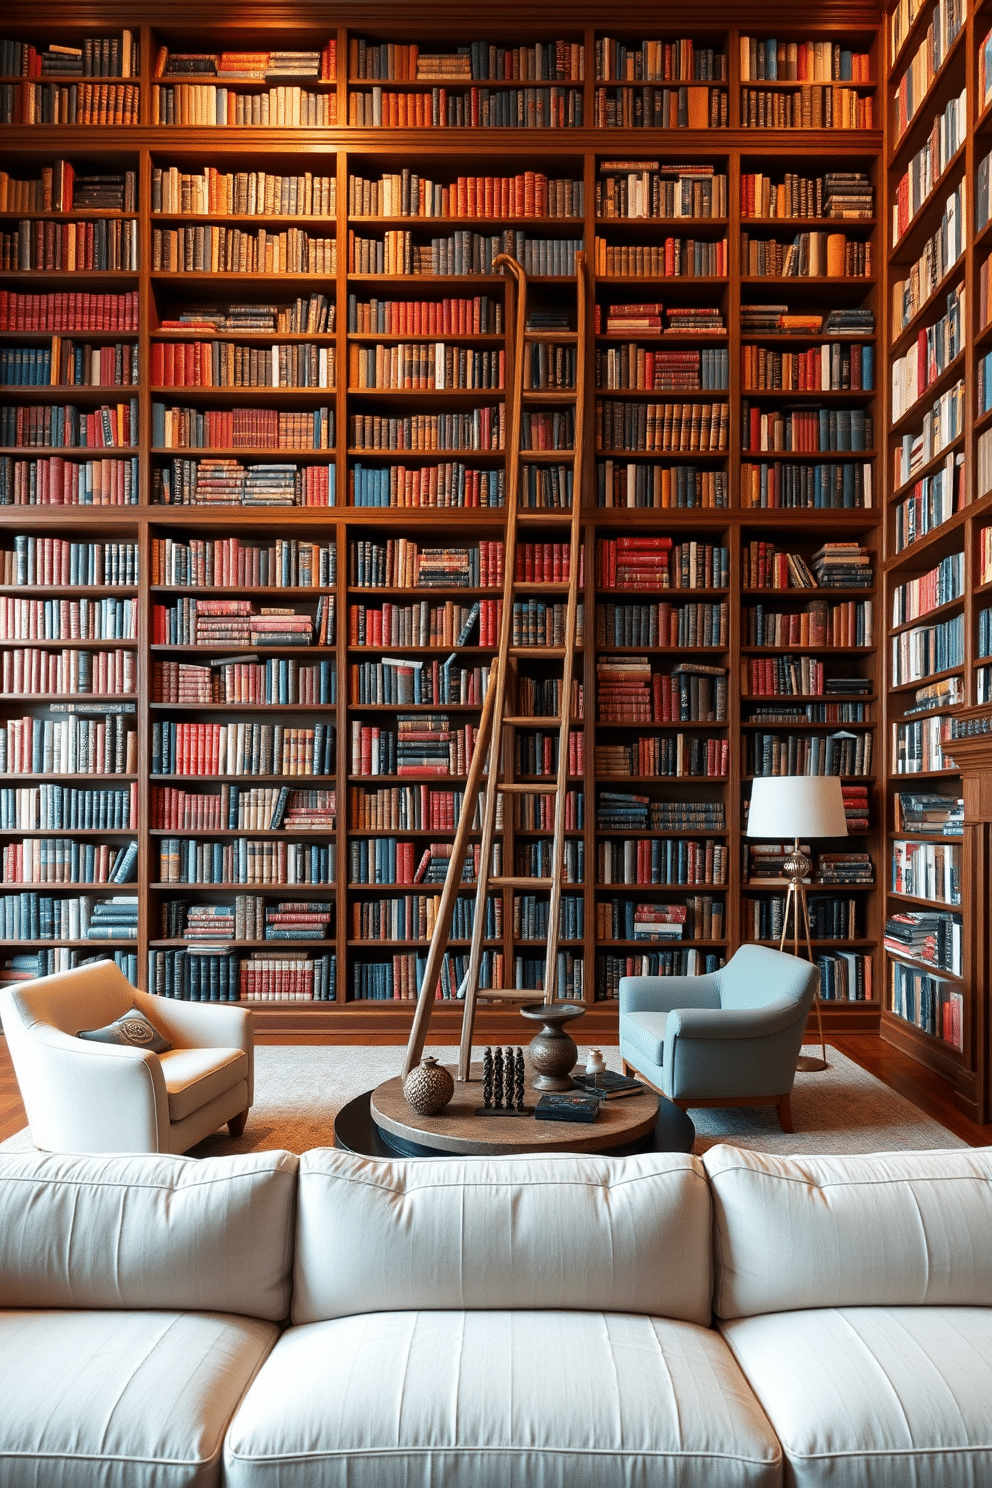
(613, 1235)
(889, 1229)
(194, 1077)
(148, 1230)
(122, 1397)
(874, 1396)
(499, 1400)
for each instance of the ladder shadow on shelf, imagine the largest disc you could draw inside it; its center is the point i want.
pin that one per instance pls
(492, 771)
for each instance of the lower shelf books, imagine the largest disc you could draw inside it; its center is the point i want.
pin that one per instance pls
(928, 1002)
(399, 978)
(846, 976)
(682, 962)
(25, 966)
(216, 974)
(933, 937)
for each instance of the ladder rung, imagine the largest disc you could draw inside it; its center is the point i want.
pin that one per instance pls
(513, 788)
(508, 994)
(544, 517)
(543, 395)
(520, 883)
(559, 336)
(543, 651)
(543, 586)
(518, 720)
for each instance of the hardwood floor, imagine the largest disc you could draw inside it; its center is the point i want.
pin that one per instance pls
(918, 1085)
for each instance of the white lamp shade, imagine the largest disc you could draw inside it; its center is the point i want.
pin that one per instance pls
(795, 806)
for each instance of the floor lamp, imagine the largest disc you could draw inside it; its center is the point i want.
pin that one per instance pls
(795, 806)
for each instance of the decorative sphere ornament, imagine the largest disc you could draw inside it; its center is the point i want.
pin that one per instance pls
(429, 1087)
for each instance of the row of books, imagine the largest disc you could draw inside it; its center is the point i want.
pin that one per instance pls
(779, 320)
(63, 426)
(475, 108)
(473, 429)
(449, 484)
(835, 194)
(925, 361)
(38, 808)
(648, 189)
(653, 563)
(241, 749)
(638, 319)
(636, 484)
(819, 623)
(117, 55)
(279, 681)
(680, 59)
(407, 917)
(104, 104)
(833, 367)
(460, 253)
(939, 427)
(812, 106)
(916, 185)
(925, 649)
(939, 256)
(215, 192)
(100, 745)
(249, 65)
(201, 105)
(926, 62)
(664, 624)
(631, 366)
(399, 680)
(422, 366)
(28, 965)
(400, 977)
(679, 258)
(242, 428)
(67, 619)
(773, 484)
(247, 918)
(769, 59)
(804, 754)
(699, 917)
(806, 429)
(60, 482)
(27, 670)
(405, 563)
(67, 860)
(67, 363)
(230, 562)
(205, 622)
(406, 808)
(69, 310)
(201, 249)
(33, 916)
(685, 107)
(810, 255)
(930, 1003)
(246, 860)
(670, 962)
(830, 918)
(664, 755)
(662, 426)
(404, 193)
(932, 936)
(478, 59)
(535, 812)
(311, 315)
(64, 247)
(227, 364)
(216, 975)
(61, 187)
(918, 745)
(444, 317)
(536, 753)
(235, 807)
(661, 860)
(929, 812)
(226, 482)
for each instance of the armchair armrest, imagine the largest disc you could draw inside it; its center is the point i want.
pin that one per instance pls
(206, 1025)
(660, 994)
(94, 1097)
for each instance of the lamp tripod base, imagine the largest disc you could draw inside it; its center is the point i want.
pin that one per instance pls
(797, 866)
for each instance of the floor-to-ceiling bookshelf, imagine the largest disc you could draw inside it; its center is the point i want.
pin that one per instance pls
(656, 816)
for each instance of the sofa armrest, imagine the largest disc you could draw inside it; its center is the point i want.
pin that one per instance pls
(85, 1096)
(660, 994)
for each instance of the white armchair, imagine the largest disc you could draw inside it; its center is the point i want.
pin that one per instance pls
(82, 1096)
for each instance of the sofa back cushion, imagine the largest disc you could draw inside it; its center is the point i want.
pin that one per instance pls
(610, 1235)
(148, 1231)
(891, 1229)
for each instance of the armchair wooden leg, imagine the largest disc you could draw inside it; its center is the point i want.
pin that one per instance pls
(237, 1125)
(785, 1113)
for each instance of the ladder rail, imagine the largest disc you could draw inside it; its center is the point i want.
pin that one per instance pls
(568, 667)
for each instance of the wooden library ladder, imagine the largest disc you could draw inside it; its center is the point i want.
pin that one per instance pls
(493, 767)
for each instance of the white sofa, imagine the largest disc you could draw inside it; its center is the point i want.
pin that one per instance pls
(266, 1321)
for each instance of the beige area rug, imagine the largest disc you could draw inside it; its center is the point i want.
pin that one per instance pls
(299, 1088)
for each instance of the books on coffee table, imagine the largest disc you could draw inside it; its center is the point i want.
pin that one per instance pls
(607, 1084)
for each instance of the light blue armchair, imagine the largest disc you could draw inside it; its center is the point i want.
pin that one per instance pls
(730, 1038)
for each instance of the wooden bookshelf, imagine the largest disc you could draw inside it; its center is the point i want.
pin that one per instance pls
(444, 253)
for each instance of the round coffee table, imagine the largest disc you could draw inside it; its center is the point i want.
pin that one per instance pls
(355, 1130)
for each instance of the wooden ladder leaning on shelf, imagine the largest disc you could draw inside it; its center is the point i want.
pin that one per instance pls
(493, 762)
